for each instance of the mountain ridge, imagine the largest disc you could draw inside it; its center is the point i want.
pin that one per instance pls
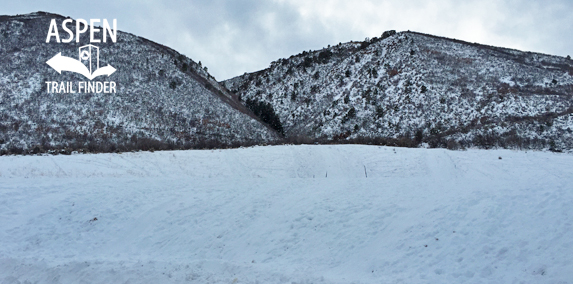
(164, 99)
(405, 89)
(405, 86)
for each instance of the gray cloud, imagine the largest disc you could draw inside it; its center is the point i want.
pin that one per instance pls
(236, 36)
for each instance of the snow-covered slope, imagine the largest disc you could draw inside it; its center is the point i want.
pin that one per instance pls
(163, 100)
(415, 88)
(288, 214)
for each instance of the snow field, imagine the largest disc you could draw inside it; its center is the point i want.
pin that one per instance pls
(288, 214)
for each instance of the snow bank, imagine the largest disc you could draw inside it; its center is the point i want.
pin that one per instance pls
(288, 214)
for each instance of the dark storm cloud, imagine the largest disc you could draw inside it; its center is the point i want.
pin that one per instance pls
(232, 37)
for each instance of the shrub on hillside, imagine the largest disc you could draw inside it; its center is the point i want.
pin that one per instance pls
(387, 34)
(266, 113)
(349, 115)
(324, 56)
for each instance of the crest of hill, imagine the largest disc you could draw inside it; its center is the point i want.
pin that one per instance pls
(164, 99)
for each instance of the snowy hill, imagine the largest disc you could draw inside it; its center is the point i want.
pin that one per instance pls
(288, 214)
(407, 88)
(400, 89)
(164, 99)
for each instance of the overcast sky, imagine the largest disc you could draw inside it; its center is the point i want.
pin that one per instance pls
(231, 37)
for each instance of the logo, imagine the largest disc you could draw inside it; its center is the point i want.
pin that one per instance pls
(87, 64)
(84, 65)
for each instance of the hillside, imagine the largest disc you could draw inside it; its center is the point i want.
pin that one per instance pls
(409, 88)
(164, 100)
(288, 214)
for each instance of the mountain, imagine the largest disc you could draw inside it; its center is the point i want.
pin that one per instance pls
(409, 88)
(405, 89)
(163, 99)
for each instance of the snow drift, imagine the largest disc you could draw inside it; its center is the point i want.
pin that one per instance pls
(288, 214)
